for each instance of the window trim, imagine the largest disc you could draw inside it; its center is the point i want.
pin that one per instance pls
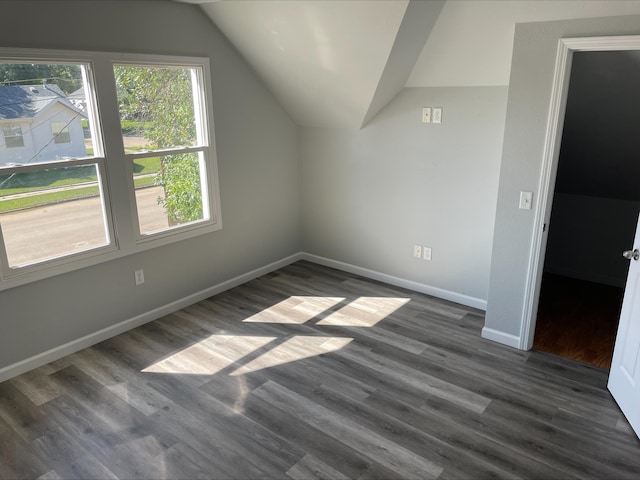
(114, 164)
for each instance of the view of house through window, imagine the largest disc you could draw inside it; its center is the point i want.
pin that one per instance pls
(162, 129)
(49, 176)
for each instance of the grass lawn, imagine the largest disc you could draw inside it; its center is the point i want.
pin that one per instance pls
(47, 198)
(60, 196)
(130, 127)
(59, 177)
(142, 166)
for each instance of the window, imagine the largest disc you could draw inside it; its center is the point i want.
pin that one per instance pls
(60, 132)
(13, 136)
(56, 208)
(163, 132)
(52, 201)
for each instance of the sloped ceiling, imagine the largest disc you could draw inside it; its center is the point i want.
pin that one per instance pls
(337, 63)
(323, 59)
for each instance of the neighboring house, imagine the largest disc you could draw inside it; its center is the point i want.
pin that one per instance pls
(38, 122)
(78, 99)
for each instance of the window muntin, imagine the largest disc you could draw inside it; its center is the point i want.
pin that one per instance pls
(162, 123)
(13, 136)
(52, 191)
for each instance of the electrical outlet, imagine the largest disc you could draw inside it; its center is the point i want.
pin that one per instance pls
(426, 253)
(139, 275)
(426, 115)
(417, 251)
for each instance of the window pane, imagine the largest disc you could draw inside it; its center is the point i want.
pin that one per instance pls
(56, 208)
(43, 113)
(50, 213)
(13, 136)
(156, 107)
(168, 191)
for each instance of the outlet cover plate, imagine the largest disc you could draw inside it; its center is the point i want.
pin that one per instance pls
(426, 115)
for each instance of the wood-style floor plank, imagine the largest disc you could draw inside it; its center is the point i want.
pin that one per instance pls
(308, 373)
(354, 434)
(578, 319)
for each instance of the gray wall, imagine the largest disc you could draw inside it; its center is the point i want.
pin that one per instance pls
(369, 195)
(529, 97)
(257, 146)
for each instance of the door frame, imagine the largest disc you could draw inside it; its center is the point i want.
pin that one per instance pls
(551, 153)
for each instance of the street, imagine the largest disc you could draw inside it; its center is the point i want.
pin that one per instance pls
(44, 232)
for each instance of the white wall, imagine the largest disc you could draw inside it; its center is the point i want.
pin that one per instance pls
(257, 147)
(369, 195)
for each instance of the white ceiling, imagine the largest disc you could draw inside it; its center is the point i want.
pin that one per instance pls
(333, 63)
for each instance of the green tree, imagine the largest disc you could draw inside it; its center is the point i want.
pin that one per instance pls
(161, 99)
(67, 77)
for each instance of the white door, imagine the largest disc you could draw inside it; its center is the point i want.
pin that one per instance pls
(624, 378)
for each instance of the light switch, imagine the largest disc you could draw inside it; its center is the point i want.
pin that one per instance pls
(525, 200)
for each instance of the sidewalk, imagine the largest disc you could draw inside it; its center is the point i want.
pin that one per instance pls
(75, 186)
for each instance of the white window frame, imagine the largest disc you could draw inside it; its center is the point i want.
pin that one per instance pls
(115, 167)
(199, 80)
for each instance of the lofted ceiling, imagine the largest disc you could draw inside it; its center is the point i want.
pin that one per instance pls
(336, 63)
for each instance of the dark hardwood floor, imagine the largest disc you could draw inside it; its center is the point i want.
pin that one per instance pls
(309, 373)
(578, 319)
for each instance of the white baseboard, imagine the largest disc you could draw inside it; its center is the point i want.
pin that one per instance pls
(106, 333)
(58, 352)
(399, 282)
(501, 337)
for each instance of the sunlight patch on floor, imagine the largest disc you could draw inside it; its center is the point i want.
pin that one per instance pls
(210, 355)
(294, 349)
(364, 312)
(219, 352)
(295, 310)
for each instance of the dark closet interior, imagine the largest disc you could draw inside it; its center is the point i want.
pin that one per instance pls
(595, 209)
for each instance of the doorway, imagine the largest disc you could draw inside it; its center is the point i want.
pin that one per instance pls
(596, 201)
